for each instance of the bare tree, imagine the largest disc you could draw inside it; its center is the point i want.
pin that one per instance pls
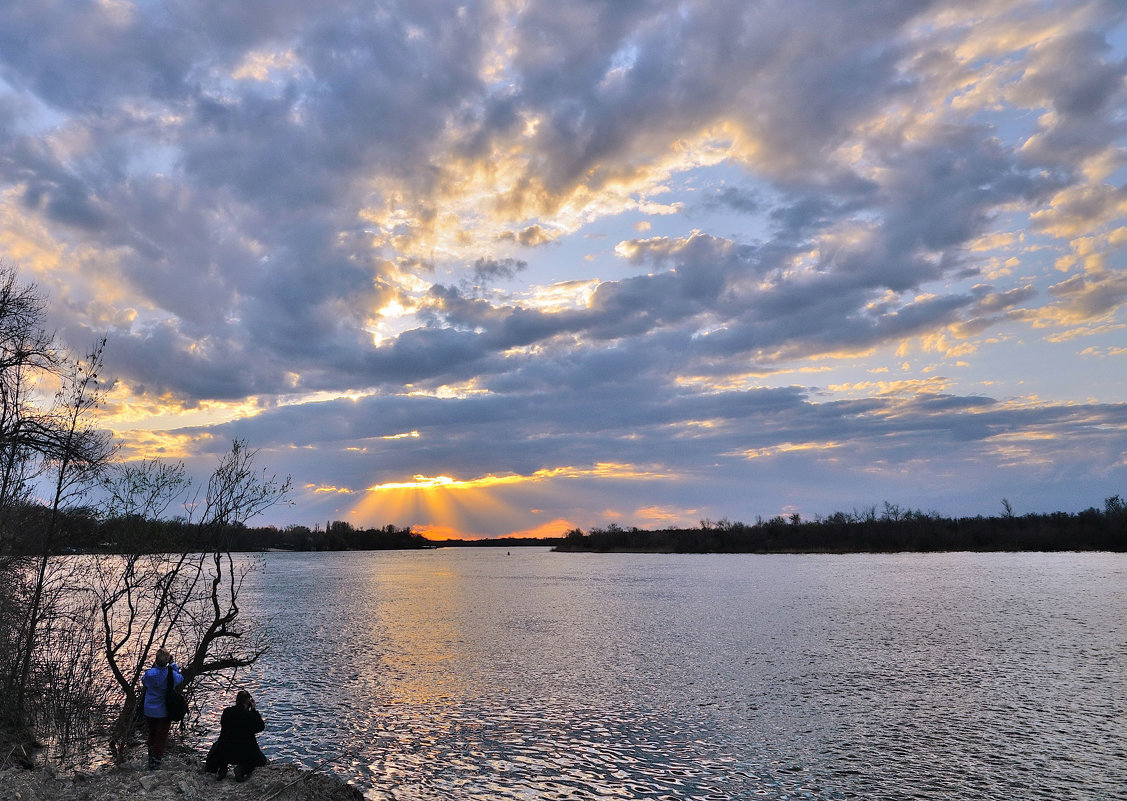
(75, 451)
(187, 602)
(40, 442)
(27, 353)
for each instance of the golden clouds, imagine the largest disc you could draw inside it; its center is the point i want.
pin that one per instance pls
(471, 204)
(1079, 210)
(260, 65)
(665, 516)
(788, 447)
(322, 490)
(939, 343)
(1090, 253)
(904, 388)
(25, 240)
(604, 470)
(1019, 450)
(1085, 305)
(147, 426)
(141, 444)
(563, 295)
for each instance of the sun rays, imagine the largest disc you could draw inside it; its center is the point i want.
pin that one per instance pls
(443, 507)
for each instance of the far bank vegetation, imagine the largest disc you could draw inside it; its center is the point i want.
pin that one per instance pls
(887, 530)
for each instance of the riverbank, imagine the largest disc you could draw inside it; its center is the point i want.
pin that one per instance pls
(180, 778)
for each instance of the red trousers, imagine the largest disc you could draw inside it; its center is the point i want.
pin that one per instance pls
(158, 735)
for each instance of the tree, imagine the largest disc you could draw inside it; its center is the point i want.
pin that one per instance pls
(187, 602)
(76, 451)
(27, 353)
(41, 443)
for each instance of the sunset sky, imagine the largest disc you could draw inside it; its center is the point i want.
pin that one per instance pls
(515, 266)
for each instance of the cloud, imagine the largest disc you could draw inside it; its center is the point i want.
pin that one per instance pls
(410, 205)
(486, 270)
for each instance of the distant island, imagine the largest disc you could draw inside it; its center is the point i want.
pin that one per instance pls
(889, 528)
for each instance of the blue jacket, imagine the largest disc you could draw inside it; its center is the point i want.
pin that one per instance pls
(155, 682)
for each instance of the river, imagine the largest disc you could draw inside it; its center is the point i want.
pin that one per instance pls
(482, 673)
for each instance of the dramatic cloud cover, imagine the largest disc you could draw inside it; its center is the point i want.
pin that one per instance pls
(518, 266)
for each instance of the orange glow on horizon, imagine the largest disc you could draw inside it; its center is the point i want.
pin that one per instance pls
(553, 528)
(439, 533)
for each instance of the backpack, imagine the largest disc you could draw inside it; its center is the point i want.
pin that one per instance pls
(174, 702)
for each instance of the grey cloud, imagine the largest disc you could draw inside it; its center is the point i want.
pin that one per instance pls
(630, 86)
(533, 236)
(256, 235)
(1092, 296)
(252, 231)
(425, 353)
(991, 301)
(942, 194)
(488, 270)
(719, 284)
(992, 308)
(219, 367)
(1071, 73)
(499, 435)
(733, 198)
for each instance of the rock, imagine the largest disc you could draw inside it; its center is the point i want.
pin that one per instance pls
(150, 782)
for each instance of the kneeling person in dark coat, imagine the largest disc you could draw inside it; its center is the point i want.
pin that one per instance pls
(237, 744)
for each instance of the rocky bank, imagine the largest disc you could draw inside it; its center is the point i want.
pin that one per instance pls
(180, 778)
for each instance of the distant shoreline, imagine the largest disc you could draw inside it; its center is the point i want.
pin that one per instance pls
(893, 531)
(889, 529)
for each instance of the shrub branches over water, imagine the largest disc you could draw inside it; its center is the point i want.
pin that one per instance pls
(187, 601)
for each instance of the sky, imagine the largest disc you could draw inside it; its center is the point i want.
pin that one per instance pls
(513, 267)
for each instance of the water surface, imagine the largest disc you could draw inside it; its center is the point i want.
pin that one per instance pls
(482, 674)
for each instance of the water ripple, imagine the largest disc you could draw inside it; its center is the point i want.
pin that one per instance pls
(463, 674)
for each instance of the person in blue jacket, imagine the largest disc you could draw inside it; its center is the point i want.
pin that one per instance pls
(155, 682)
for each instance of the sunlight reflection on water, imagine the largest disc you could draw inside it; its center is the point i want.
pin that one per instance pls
(470, 674)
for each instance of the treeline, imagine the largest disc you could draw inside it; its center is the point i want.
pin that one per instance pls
(84, 530)
(887, 531)
(890, 529)
(338, 536)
